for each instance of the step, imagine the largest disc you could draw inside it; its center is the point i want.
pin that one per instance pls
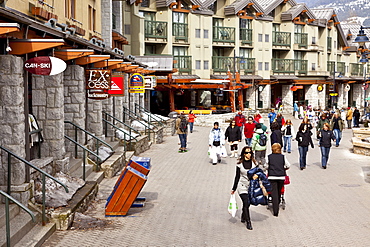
(13, 211)
(19, 225)
(114, 163)
(74, 164)
(37, 235)
(79, 172)
(96, 177)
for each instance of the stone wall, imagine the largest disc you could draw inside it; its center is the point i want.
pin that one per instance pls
(106, 22)
(315, 98)
(48, 108)
(12, 119)
(287, 98)
(117, 11)
(94, 117)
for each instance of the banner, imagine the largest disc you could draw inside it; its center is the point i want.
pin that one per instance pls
(136, 83)
(116, 87)
(98, 83)
(150, 82)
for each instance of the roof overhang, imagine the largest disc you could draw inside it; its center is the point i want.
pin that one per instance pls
(91, 59)
(69, 54)
(24, 46)
(9, 27)
(284, 77)
(107, 63)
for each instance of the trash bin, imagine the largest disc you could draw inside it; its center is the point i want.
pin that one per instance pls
(173, 114)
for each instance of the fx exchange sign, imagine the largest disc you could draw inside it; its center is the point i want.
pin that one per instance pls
(98, 83)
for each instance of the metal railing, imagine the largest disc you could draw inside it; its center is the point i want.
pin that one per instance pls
(223, 34)
(155, 29)
(329, 42)
(281, 38)
(330, 66)
(223, 64)
(97, 143)
(289, 66)
(7, 214)
(152, 117)
(44, 174)
(357, 69)
(183, 63)
(341, 68)
(301, 39)
(300, 66)
(180, 31)
(106, 123)
(246, 35)
(133, 116)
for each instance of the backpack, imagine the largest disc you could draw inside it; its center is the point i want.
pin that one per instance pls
(262, 141)
(183, 125)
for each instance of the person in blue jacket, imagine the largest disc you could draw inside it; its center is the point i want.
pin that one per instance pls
(272, 116)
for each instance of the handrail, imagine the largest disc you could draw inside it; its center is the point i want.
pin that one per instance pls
(143, 109)
(84, 156)
(129, 134)
(10, 153)
(90, 134)
(38, 131)
(135, 116)
(7, 214)
(121, 122)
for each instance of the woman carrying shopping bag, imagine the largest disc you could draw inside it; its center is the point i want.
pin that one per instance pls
(233, 135)
(241, 182)
(216, 141)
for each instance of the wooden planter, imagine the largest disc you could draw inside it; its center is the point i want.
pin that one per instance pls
(40, 12)
(79, 30)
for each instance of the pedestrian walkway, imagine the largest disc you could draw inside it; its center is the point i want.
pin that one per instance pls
(187, 199)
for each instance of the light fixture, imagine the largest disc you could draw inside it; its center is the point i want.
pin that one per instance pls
(361, 38)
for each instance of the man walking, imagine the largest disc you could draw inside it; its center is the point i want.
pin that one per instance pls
(272, 116)
(259, 146)
(182, 130)
(240, 120)
(356, 118)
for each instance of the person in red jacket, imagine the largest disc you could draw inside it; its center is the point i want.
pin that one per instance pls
(239, 120)
(191, 119)
(249, 130)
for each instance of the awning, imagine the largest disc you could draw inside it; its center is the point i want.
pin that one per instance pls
(213, 81)
(107, 63)
(69, 54)
(339, 78)
(91, 59)
(24, 46)
(9, 27)
(158, 63)
(120, 65)
(242, 77)
(284, 77)
(119, 38)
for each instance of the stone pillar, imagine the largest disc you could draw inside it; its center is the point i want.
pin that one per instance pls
(94, 117)
(106, 22)
(251, 96)
(48, 108)
(117, 11)
(342, 102)
(315, 98)
(358, 95)
(74, 103)
(266, 97)
(287, 98)
(12, 120)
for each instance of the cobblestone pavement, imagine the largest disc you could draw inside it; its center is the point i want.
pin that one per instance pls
(187, 199)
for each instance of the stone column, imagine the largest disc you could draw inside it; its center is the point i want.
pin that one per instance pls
(12, 120)
(94, 117)
(106, 22)
(117, 11)
(358, 95)
(287, 98)
(48, 108)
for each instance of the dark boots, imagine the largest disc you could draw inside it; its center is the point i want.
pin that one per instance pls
(245, 217)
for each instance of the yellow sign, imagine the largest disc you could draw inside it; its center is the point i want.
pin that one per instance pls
(333, 94)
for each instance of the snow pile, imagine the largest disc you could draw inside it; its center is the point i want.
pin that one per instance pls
(121, 134)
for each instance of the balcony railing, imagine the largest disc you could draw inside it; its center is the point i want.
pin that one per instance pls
(281, 38)
(357, 69)
(183, 63)
(223, 64)
(155, 29)
(341, 68)
(301, 39)
(180, 31)
(224, 34)
(245, 35)
(330, 66)
(329, 43)
(289, 66)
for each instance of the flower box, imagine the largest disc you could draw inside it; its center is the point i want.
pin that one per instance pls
(79, 30)
(40, 12)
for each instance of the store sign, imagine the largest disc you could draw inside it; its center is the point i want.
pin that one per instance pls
(295, 88)
(116, 86)
(320, 87)
(136, 83)
(150, 82)
(45, 65)
(98, 83)
(333, 94)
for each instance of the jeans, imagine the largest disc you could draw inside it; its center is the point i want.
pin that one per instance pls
(355, 122)
(191, 124)
(182, 140)
(324, 155)
(349, 123)
(276, 185)
(338, 136)
(287, 142)
(248, 142)
(302, 156)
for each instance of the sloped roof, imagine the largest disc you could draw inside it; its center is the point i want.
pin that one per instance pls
(295, 11)
(353, 28)
(325, 14)
(270, 5)
(238, 5)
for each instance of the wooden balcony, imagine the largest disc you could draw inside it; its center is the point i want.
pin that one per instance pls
(180, 31)
(155, 30)
(224, 34)
(281, 39)
(301, 39)
(246, 36)
(223, 64)
(289, 66)
(183, 64)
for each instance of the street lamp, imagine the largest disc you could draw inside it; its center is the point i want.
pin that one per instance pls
(361, 39)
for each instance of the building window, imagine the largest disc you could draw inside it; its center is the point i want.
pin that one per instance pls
(114, 19)
(314, 40)
(260, 64)
(267, 38)
(267, 66)
(205, 33)
(197, 64)
(70, 9)
(260, 37)
(127, 29)
(92, 18)
(145, 3)
(206, 64)
(197, 33)
(313, 66)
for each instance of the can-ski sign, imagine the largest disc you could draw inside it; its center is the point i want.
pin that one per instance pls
(98, 83)
(45, 65)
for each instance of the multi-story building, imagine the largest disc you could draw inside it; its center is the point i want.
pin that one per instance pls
(283, 52)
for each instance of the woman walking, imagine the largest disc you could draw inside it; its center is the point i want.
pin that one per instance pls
(276, 136)
(191, 119)
(320, 124)
(336, 124)
(304, 139)
(325, 137)
(249, 127)
(233, 135)
(288, 135)
(241, 182)
(216, 139)
(277, 165)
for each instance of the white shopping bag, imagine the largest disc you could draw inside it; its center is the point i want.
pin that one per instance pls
(223, 152)
(233, 207)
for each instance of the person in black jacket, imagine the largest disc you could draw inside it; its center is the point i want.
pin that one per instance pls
(304, 139)
(277, 165)
(276, 136)
(233, 135)
(325, 136)
(356, 118)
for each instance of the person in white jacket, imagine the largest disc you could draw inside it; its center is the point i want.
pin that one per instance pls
(216, 141)
(288, 135)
